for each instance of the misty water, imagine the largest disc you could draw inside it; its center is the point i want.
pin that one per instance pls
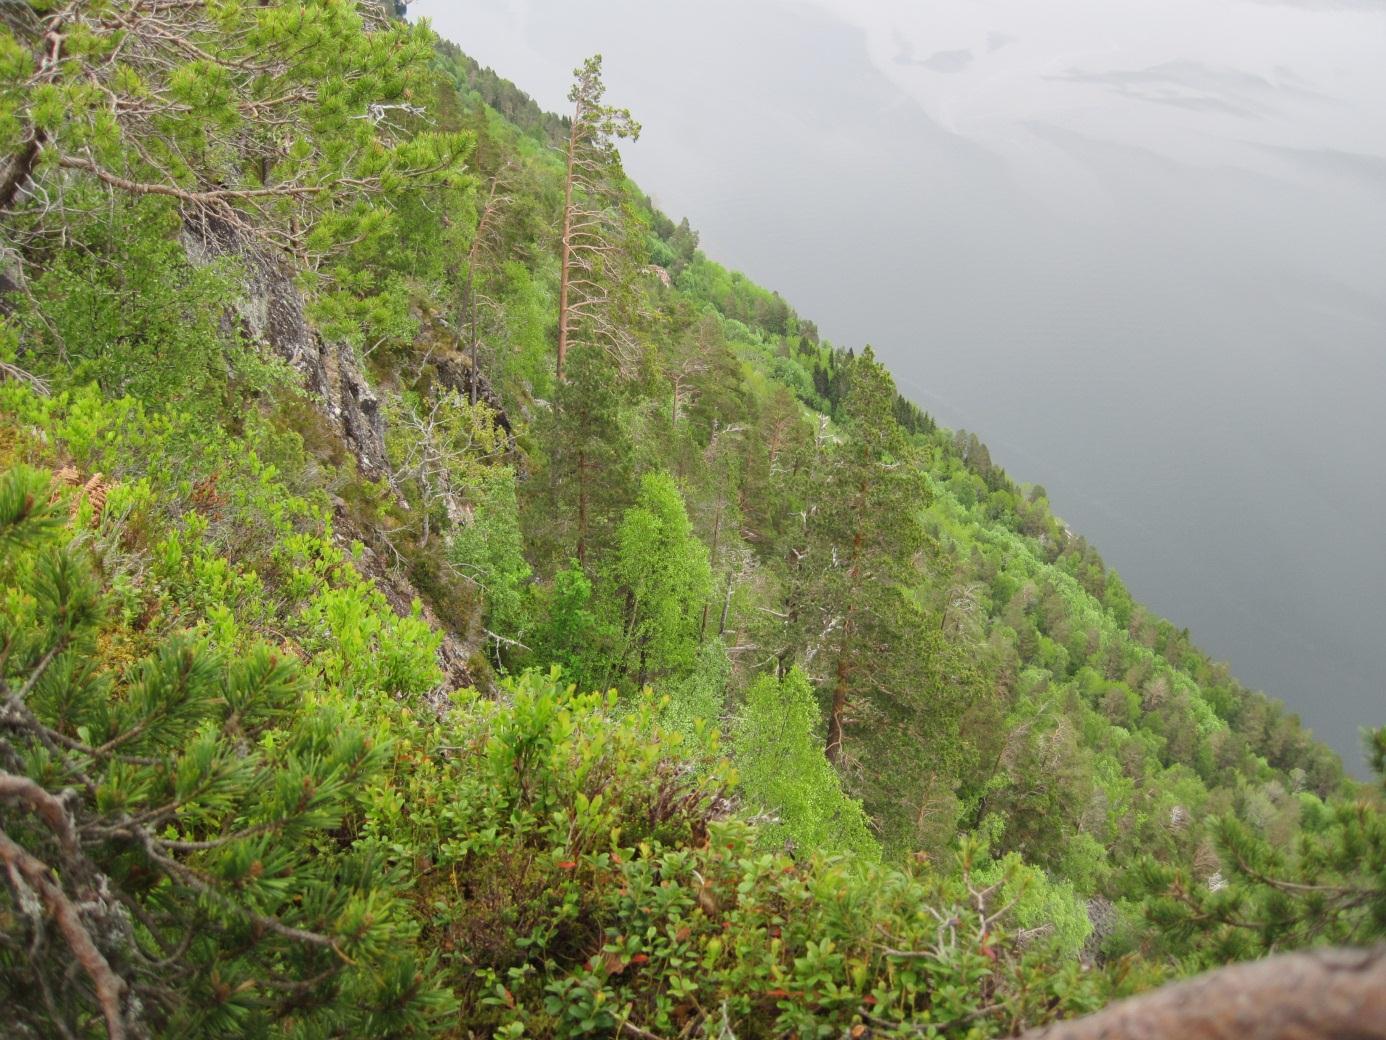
(1147, 265)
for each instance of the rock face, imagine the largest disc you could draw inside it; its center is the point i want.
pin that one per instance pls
(1318, 995)
(271, 311)
(455, 371)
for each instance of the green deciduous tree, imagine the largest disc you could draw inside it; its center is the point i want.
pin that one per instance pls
(488, 548)
(778, 743)
(660, 580)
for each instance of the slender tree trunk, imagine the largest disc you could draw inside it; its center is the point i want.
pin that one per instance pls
(841, 688)
(566, 254)
(20, 169)
(469, 293)
(582, 507)
(712, 554)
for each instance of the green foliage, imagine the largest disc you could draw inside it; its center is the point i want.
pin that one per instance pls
(711, 496)
(582, 876)
(568, 632)
(660, 579)
(489, 548)
(778, 743)
(528, 310)
(1256, 897)
(697, 701)
(587, 477)
(169, 825)
(190, 142)
(1049, 913)
(130, 313)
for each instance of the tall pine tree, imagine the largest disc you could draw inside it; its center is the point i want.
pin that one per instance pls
(597, 247)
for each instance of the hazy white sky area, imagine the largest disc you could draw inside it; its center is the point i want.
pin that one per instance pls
(1138, 245)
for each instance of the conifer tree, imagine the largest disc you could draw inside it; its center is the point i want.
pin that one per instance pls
(589, 463)
(194, 103)
(1259, 897)
(865, 533)
(597, 247)
(174, 832)
(895, 686)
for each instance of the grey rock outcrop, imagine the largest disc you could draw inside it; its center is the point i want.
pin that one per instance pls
(270, 310)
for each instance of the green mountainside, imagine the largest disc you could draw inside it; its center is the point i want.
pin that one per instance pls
(440, 600)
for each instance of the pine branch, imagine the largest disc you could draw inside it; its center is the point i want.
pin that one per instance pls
(108, 986)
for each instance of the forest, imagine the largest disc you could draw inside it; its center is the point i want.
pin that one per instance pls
(441, 601)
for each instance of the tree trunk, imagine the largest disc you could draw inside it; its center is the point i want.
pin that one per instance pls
(833, 750)
(469, 293)
(20, 169)
(565, 257)
(582, 508)
(712, 556)
(1318, 995)
(21, 166)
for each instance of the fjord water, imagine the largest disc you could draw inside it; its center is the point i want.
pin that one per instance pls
(1149, 272)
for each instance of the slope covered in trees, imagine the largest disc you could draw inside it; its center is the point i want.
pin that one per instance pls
(440, 600)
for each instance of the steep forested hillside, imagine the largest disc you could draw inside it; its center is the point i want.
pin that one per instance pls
(441, 600)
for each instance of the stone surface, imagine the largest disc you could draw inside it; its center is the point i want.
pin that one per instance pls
(270, 311)
(1318, 995)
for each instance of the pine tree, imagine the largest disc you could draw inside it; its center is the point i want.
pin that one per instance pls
(588, 471)
(597, 248)
(175, 833)
(192, 111)
(194, 103)
(896, 687)
(1260, 898)
(865, 533)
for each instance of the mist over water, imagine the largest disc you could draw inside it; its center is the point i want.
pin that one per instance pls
(1146, 263)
